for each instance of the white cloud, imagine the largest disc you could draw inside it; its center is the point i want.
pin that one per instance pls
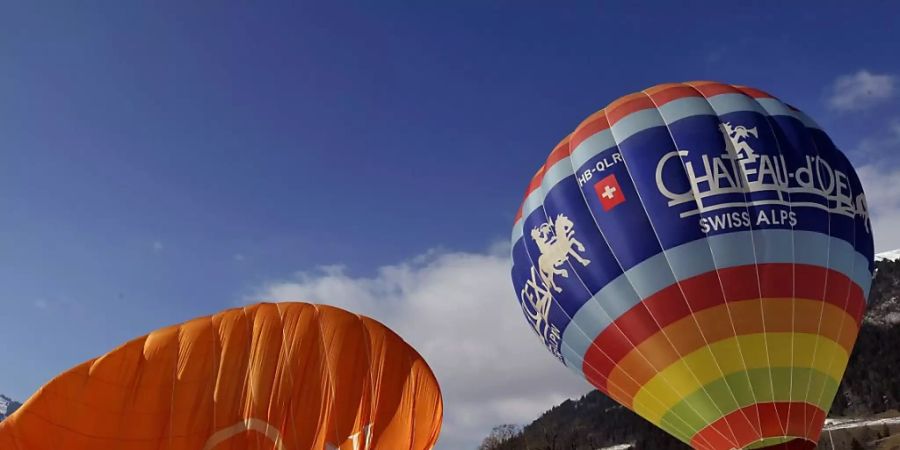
(860, 90)
(157, 246)
(884, 146)
(460, 312)
(881, 183)
(41, 304)
(880, 177)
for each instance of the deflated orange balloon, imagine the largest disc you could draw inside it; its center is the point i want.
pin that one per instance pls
(287, 376)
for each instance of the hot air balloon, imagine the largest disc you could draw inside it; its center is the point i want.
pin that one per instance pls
(286, 376)
(701, 253)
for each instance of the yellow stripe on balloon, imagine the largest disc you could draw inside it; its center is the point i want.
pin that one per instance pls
(716, 323)
(760, 350)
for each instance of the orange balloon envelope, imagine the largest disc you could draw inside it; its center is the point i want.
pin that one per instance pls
(287, 376)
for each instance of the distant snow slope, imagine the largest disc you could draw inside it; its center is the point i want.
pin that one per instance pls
(892, 255)
(838, 423)
(7, 406)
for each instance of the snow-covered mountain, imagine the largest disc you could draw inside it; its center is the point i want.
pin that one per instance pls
(891, 255)
(7, 406)
(884, 303)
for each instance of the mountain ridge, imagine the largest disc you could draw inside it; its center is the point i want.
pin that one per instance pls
(7, 406)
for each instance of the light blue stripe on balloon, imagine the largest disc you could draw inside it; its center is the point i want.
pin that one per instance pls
(571, 358)
(636, 122)
(841, 256)
(684, 108)
(613, 300)
(774, 107)
(690, 260)
(732, 250)
(654, 275)
(534, 201)
(775, 247)
(812, 248)
(861, 269)
(591, 147)
(725, 251)
(695, 258)
(560, 170)
(729, 103)
(808, 121)
(517, 230)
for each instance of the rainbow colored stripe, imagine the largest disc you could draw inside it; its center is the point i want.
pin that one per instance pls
(718, 298)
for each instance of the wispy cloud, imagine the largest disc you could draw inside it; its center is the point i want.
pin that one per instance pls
(157, 246)
(460, 312)
(716, 55)
(880, 182)
(881, 146)
(57, 304)
(880, 176)
(860, 90)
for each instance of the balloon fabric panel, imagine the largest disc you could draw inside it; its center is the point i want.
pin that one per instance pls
(284, 376)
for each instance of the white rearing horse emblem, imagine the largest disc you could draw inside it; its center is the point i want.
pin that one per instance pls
(736, 140)
(556, 246)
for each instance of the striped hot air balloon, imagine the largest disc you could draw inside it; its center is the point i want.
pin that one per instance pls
(701, 253)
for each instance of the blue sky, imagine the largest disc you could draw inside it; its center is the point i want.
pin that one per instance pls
(159, 162)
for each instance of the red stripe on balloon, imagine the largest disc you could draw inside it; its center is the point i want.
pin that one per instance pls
(780, 419)
(755, 93)
(796, 444)
(535, 181)
(594, 124)
(654, 97)
(619, 109)
(560, 152)
(710, 89)
(704, 291)
(660, 95)
(626, 105)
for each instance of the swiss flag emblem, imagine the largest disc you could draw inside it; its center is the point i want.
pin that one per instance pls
(609, 192)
